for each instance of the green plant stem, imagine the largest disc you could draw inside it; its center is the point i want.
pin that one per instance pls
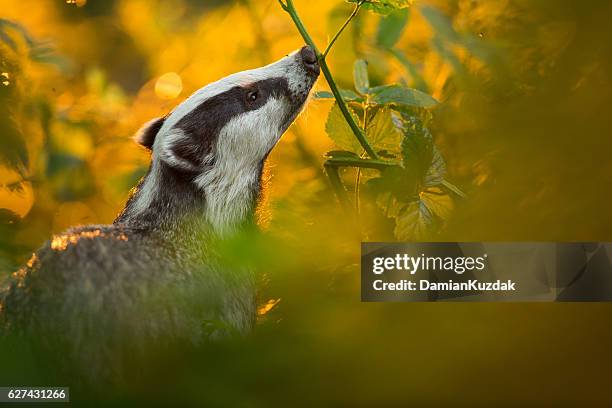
(362, 163)
(358, 177)
(288, 6)
(336, 182)
(346, 23)
(332, 166)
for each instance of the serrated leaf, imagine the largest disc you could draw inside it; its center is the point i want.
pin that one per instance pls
(399, 183)
(401, 95)
(346, 94)
(418, 219)
(390, 28)
(382, 132)
(417, 148)
(438, 202)
(413, 222)
(340, 132)
(383, 6)
(414, 193)
(360, 76)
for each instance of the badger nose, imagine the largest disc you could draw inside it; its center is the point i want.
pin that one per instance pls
(309, 58)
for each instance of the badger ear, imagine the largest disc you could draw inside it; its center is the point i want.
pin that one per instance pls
(145, 136)
(180, 151)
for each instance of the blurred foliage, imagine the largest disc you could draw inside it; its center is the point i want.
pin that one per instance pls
(522, 122)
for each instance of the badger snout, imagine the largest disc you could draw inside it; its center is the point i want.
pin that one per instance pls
(309, 59)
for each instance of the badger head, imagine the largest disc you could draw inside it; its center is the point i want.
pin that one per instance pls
(219, 137)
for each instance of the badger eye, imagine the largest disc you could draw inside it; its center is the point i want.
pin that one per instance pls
(252, 96)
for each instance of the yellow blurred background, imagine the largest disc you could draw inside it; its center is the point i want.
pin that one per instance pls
(523, 122)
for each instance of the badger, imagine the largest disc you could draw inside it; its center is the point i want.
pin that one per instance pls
(156, 272)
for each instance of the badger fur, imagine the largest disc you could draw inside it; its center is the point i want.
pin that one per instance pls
(155, 273)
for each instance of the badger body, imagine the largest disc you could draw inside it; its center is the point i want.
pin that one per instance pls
(156, 273)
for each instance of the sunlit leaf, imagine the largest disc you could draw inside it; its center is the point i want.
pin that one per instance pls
(401, 95)
(382, 133)
(391, 27)
(414, 194)
(418, 219)
(413, 222)
(340, 132)
(437, 202)
(360, 76)
(417, 148)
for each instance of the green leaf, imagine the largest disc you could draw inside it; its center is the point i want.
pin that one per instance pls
(417, 148)
(415, 194)
(413, 222)
(417, 220)
(340, 132)
(391, 27)
(360, 76)
(383, 6)
(436, 171)
(346, 94)
(437, 202)
(381, 131)
(401, 95)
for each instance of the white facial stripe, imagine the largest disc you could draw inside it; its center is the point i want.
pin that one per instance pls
(228, 185)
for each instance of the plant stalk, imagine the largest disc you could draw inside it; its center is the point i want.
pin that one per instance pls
(346, 23)
(362, 163)
(288, 6)
(336, 182)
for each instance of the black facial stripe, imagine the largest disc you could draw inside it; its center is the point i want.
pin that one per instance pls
(203, 124)
(276, 87)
